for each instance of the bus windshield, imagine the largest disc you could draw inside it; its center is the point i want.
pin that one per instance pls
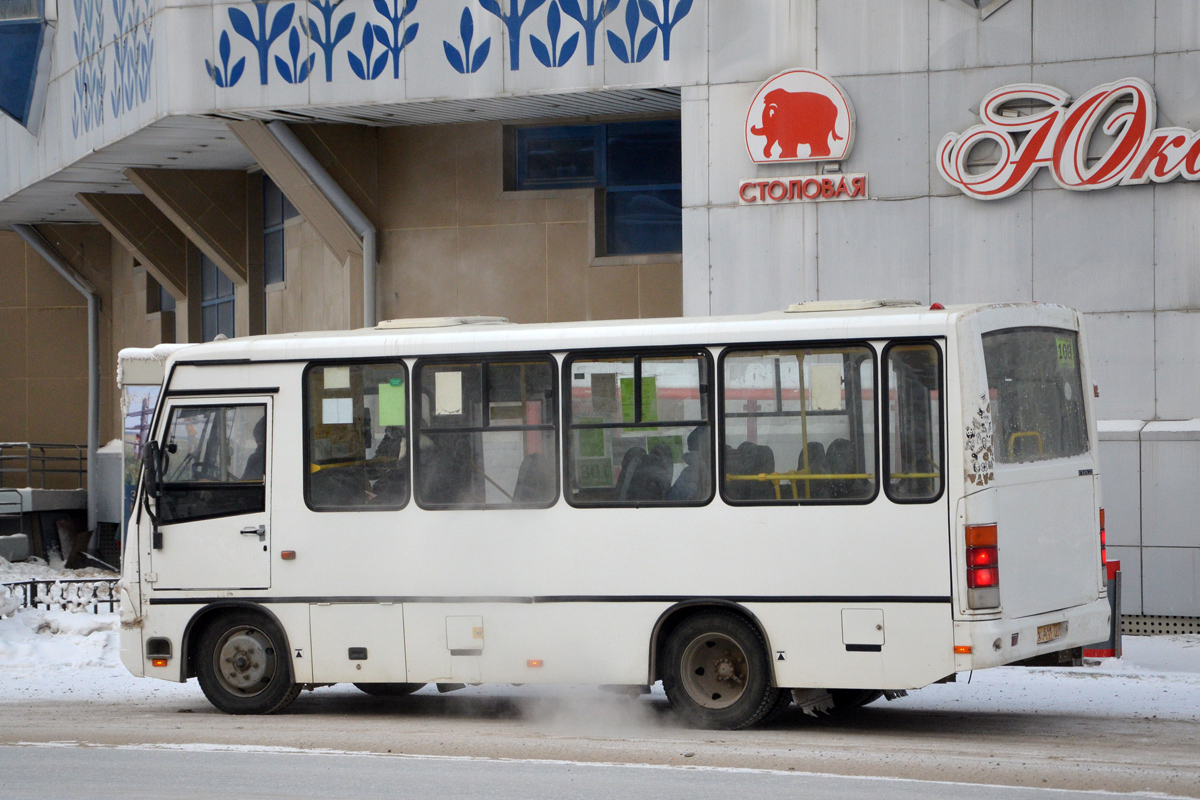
(1036, 394)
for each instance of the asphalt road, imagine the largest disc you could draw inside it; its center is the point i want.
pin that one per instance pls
(885, 740)
(146, 772)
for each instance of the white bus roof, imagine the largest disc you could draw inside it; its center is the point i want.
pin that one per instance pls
(452, 335)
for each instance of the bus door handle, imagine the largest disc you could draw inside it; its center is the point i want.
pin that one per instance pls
(260, 531)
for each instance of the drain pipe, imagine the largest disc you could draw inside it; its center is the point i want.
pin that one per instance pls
(341, 201)
(44, 249)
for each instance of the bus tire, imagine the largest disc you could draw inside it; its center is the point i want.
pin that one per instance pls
(847, 699)
(242, 665)
(716, 672)
(388, 689)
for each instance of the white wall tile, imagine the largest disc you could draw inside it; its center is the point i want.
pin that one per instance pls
(1094, 251)
(954, 98)
(1121, 352)
(1120, 480)
(1171, 581)
(979, 252)
(891, 138)
(1177, 369)
(859, 37)
(1078, 77)
(874, 249)
(1176, 89)
(1066, 30)
(693, 118)
(250, 91)
(772, 239)
(751, 40)
(427, 70)
(1176, 246)
(187, 34)
(1177, 25)
(1170, 502)
(695, 263)
(959, 39)
(729, 162)
(1131, 577)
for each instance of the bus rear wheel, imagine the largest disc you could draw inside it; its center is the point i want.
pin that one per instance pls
(242, 665)
(716, 673)
(388, 689)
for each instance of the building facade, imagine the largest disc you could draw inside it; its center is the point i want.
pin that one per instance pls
(590, 159)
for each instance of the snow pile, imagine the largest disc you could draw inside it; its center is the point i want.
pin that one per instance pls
(37, 569)
(33, 640)
(9, 601)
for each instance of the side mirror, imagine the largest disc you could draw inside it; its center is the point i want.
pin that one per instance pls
(152, 487)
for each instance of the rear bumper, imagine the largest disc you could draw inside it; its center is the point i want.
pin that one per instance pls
(992, 641)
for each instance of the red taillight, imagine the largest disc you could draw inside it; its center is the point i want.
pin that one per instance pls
(1103, 541)
(983, 558)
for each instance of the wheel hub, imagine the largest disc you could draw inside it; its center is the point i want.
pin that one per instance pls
(714, 670)
(245, 661)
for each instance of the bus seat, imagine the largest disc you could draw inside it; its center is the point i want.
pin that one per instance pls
(535, 480)
(818, 464)
(840, 456)
(628, 463)
(651, 475)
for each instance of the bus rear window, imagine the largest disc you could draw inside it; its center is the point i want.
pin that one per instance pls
(1036, 394)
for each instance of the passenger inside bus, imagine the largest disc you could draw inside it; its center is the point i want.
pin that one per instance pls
(694, 481)
(256, 462)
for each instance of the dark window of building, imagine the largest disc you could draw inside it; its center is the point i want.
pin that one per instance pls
(277, 210)
(486, 433)
(356, 436)
(639, 431)
(166, 302)
(214, 462)
(216, 301)
(636, 166)
(798, 425)
(912, 438)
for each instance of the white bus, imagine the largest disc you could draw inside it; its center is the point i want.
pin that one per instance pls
(827, 503)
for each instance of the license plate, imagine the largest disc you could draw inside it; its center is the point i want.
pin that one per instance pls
(1048, 633)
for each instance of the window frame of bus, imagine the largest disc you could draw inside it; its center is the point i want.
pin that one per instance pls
(637, 354)
(261, 484)
(749, 347)
(484, 360)
(885, 390)
(304, 409)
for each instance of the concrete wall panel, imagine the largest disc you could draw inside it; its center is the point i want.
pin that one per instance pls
(1171, 581)
(1131, 577)
(1177, 369)
(877, 248)
(1176, 246)
(1121, 349)
(696, 281)
(1120, 479)
(849, 33)
(1094, 250)
(783, 38)
(892, 135)
(1177, 25)
(959, 39)
(981, 252)
(1066, 30)
(1170, 502)
(772, 239)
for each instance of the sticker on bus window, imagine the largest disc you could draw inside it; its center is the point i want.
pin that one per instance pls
(825, 387)
(649, 400)
(391, 403)
(447, 388)
(337, 378)
(337, 410)
(1066, 352)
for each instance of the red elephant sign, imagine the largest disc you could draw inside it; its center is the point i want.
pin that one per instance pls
(799, 115)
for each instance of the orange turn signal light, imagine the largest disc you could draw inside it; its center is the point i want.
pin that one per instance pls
(981, 535)
(158, 662)
(962, 649)
(533, 662)
(288, 555)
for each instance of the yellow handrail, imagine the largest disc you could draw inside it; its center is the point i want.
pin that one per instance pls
(1012, 441)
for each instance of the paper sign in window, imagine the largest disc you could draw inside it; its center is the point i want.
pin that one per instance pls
(604, 393)
(337, 378)
(391, 404)
(447, 387)
(649, 400)
(337, 410)
(825, 387)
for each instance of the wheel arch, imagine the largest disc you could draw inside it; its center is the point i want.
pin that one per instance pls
(673, 616)
(196, 626)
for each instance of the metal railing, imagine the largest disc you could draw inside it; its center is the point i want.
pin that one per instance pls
(69, 594)
(33, 462)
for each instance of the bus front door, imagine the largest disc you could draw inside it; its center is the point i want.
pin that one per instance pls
(214, 510)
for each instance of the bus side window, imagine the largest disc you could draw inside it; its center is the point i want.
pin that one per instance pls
(486, 433)
(798, 425)
(639, 430)
(213, 463)
(356, 436)
(913, 439)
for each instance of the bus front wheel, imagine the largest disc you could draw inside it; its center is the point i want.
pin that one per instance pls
(242, 665)
(716, 672)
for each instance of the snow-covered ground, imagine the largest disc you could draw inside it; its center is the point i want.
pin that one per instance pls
(59, 654)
